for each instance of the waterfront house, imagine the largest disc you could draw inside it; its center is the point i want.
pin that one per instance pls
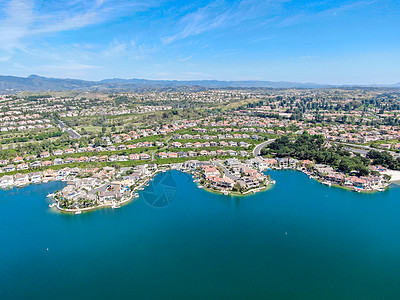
(357, 182)
(35, 177)
(221, 182)
(335, 177)
(324, 170)
(210, 171)
(250, 182)
(49, 174)
(6, 181)
(62, 173)
(21, 179)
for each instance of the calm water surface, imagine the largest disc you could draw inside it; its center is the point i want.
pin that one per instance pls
(299, 240)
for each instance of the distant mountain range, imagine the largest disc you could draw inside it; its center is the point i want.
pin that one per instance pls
(39, 83)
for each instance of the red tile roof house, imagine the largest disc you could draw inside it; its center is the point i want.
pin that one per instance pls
(358, 182)
(22, 166)
(49, 174)
(203, 152)
(162, 155)
(44, 154)
(103, 158)
(177, 144)
(82, 159)
(197, 144)
(221, 152)
(172, 155)
(47, 163)
(18, 160)
(211, 171)
(134, 156)
(70, 151)
(224, 182)
(58, 152)
(21, 179)
(249, 172)
(306, 163)
(335, 177)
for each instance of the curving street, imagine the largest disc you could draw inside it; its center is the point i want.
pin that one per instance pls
(257, 149)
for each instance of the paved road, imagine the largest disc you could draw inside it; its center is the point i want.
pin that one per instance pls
(159, 150)
(72, 133)
(227, 173)
(257, 149)
(360, 151)
(350, 147)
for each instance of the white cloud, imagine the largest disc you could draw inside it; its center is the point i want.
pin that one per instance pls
(16, 24)
(129, 50)
(23, 21)
(220, 14)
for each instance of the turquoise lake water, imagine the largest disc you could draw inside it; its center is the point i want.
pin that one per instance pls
(299, 240)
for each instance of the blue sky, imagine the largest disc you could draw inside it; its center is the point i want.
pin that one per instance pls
(337, 42)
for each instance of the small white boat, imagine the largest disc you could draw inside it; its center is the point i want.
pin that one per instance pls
(78, 212)
(380, 190)
(200, 186)
(50, 195)
(136, 195)
(226, 193)
(52, 205)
